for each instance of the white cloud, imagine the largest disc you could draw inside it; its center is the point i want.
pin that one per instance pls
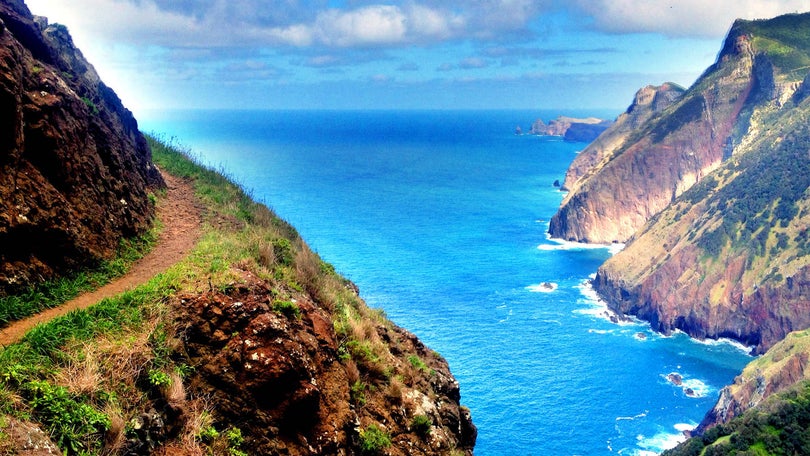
(682, 18)
(372, 25)
(223, 23)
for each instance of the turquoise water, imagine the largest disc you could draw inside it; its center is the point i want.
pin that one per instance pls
(441, 219)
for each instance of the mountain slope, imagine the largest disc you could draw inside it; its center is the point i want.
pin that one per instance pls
(75, 172)
(730, 255)
(251, 344)
(673, 150)
(729, 258)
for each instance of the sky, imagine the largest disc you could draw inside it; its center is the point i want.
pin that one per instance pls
(411, 54)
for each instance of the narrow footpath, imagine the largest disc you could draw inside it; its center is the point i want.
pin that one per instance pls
(180, 212)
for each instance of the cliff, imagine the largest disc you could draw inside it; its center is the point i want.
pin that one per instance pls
(766, 408)
(571, 128)
(727, 255)
(75, 171)
(648, 167)
(648, 102)
(250, 345)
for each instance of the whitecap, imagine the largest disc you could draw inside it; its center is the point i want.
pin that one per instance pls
(659, 442)
(698, 387)
(560, 244)
(691, 387)
(683, 427)
(597, 307)
(545, 287)
(632, 418)
(725, 341)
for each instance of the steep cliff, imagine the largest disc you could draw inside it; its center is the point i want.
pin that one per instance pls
(729, 257)
(75, 171)
(671, 151)
(648, 102)
(765, 411)
(249, 345)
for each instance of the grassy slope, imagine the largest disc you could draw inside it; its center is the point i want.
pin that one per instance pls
(84, 376)
(780, 425)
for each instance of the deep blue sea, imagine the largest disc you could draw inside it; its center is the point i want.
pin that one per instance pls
(440, 218)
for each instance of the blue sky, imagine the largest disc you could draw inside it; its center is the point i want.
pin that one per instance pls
(412, 54)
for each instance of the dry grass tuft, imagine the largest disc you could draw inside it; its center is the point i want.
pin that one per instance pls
(175, 391)
(82, 376)
(395, 390)
(115, 438)
(352, 372)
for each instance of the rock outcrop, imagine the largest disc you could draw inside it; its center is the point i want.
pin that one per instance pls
(293, 389)
(781, 368)
(75, 172)
(571, 128)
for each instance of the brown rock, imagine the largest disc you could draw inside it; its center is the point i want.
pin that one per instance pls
(74, 169)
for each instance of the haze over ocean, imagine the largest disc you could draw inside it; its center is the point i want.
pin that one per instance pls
(440, 217)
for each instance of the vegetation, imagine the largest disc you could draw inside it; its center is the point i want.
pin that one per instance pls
(781, 426)
(762, 198)
(373, 440)
(688, 110)
(422, 424)
(783, 40)
(87, 376)
(55, 292)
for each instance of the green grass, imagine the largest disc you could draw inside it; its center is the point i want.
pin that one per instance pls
(239, 236)
(54, 293)
(373, 440)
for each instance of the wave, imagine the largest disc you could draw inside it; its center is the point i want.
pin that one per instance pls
(725, 341)
(598, 308)
(663, 440)
(560, 244)
(691, 387)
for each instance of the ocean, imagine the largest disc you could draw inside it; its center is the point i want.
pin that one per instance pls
(440, 218)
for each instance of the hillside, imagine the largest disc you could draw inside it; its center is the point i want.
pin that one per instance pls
(250, 344)
(760, 67)
(721, 249)
(765, 411)
(75, 172)
(729, 257)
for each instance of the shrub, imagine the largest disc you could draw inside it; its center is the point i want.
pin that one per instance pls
(77, 427)
(373, 440)
(421, 424)
(417, 363)
(287, 308)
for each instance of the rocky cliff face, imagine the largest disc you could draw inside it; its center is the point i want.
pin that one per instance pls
(781, 368)
(649, 101)
(729, 258)
(730, 255)
(642, 172)
(292, 389)
(74, 169)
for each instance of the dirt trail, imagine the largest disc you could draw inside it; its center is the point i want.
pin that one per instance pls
(180, 213)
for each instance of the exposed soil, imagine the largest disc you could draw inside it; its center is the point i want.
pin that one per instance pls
(180, 212)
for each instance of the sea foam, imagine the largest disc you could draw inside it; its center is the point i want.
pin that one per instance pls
(560, 244)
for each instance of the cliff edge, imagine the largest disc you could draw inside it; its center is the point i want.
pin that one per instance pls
(711, 194)
(75, 172)
(680, 140)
